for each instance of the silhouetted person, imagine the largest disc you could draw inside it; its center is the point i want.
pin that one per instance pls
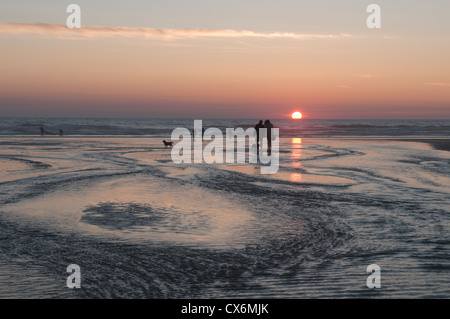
(61, 132)
(269, 127)
(258, 137)
(43, 131)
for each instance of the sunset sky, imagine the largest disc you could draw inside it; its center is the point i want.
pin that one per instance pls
(225, 59)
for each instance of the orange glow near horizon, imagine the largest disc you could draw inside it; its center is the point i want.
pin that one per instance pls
(195, 76)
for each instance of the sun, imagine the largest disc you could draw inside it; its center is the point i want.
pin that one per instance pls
(297, 115)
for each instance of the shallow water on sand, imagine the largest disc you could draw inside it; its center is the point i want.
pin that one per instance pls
(140, 226)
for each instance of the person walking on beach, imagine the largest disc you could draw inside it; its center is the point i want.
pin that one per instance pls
(269, 127)
(258, 137)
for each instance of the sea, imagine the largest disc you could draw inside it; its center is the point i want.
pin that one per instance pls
(107, 197)
(164, 127)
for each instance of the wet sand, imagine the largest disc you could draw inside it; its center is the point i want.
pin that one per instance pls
(141, 226)
(439, 144)
(442, 144)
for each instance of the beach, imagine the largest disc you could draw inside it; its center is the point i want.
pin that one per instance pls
(141, 226)
(225, 157)
(438, 144)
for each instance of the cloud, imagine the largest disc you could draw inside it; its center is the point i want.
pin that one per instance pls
(62, 31)
(438, 84)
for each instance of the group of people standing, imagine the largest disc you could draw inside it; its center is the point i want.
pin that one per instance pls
(268, 135)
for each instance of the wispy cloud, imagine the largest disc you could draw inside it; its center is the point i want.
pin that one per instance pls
(62, 31)
(439, 84)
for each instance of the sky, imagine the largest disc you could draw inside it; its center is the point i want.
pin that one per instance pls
(225, 59)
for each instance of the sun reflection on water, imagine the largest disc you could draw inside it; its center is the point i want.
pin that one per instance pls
(295, 177)
(296, 152)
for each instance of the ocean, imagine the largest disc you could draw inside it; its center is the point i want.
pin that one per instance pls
(164, 127)
(107, 197)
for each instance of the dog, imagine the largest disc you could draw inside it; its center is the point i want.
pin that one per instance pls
(170, 144)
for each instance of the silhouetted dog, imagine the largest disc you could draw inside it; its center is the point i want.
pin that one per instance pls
(167, 143)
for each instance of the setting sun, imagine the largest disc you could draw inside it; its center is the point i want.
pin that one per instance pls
(297, 115)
